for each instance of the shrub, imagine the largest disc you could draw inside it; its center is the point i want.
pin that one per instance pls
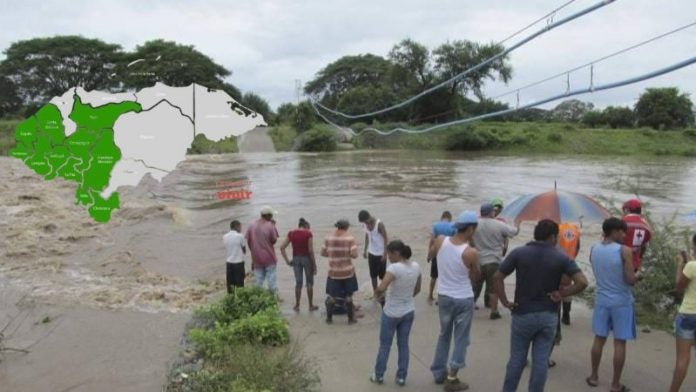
(318, 139)
(250, 368)
(690, 132)
(554, 137)
(471, 139)
(239, 304)
(569, 127)
(265, 327)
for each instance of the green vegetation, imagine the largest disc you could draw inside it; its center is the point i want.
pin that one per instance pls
(283, 137)
(537, 138)
(202, 145)
(318, 139)
(243, 342)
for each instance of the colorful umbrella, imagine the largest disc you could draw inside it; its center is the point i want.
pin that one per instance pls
(559, 206)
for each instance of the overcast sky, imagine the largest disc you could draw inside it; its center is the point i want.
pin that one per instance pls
(269, 44)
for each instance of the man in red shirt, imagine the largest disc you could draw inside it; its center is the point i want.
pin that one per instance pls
(638, 234)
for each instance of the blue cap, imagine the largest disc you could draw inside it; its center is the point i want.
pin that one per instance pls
(466, 218)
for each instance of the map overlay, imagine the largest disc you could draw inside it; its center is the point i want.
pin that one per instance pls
(103, 141)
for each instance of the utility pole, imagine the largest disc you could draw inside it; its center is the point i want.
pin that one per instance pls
(298, 93)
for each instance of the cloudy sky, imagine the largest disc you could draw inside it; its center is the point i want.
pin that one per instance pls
(268, 44)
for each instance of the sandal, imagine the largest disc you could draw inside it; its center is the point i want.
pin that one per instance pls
(622, 389)
(591, 382)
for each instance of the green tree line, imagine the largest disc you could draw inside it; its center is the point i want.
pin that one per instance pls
(35, 70)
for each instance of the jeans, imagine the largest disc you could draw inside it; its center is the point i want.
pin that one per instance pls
(455, 318)
(538, 329)
(402, 327)
(302, 265)
(266, 273)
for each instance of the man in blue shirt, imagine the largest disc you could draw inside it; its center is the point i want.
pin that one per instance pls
(539, 267)
(441, 227)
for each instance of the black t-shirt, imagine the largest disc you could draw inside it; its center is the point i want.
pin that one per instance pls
(539, 267)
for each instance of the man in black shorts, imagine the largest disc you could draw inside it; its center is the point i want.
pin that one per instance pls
(375, 246)
(442, 227)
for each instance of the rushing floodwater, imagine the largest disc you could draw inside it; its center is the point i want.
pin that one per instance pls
(410, 187)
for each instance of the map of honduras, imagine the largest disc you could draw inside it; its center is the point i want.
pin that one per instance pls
(103, 141)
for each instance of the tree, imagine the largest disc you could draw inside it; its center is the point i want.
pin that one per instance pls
(42, 68)
(346, 73)
(257, 104)
(593, 118)
(232, 91)
(571, 110)
(453, 58)
(664, 108)
(172, 64)
(10, 102)
(618, 117)
(301, 116)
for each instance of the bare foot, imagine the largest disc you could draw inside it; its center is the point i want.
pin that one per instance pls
(312, 308)
(430, 301)
(296, 308)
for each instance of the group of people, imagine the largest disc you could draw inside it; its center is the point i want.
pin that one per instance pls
(465, 254)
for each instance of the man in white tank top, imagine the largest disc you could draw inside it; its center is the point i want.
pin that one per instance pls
(458, 266)
(375, 246)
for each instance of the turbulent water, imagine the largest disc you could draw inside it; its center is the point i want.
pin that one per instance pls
(162, 250)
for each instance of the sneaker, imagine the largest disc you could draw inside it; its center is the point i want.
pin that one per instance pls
(376, 380)
(495, 316)
(565, 319)
(455, 385)
(401, 382)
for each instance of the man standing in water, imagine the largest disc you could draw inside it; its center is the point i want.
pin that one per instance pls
(442, 227)
(375, 246)
(340, 248)
(539, 266)
(489, 239)
(261, 236)
(458, 266)
(613, 268)
(234, 245)
(638, 231)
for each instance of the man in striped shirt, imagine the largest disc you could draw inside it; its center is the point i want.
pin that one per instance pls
(339, 247)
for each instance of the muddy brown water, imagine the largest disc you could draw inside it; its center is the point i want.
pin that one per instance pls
(161, 255)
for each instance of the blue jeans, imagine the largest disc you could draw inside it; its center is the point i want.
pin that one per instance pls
(402, 327)
(266, 273)
(539, 330)
(455, 318)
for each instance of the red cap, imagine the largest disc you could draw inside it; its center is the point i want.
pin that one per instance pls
(632, 205)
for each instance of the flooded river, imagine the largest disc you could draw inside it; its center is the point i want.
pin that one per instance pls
(162, 255)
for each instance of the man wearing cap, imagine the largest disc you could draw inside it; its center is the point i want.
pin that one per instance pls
(638, 234)
(489, 239)
(441, 227)
(340, 248)
(458, 266)
(261, 235)
(539, 266)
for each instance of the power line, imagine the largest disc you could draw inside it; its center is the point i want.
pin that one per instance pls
(590, 89)
(491, 59)
(547, 16)
(593, 62)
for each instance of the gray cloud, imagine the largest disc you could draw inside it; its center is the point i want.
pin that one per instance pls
(268, 44)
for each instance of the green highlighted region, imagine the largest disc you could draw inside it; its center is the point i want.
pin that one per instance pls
(87, 156)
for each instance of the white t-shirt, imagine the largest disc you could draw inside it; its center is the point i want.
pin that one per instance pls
(399, 298)
(234, 242)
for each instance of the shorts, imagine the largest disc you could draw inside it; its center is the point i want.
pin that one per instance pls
(377, 267)
(685, 326)
(487, 273)
(433, 268)
(235, 275)
(300, 265)
(341, 288)
(621, 320)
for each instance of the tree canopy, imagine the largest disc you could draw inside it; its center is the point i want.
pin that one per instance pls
(41, 68)
(664, 108)
(364, 83)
